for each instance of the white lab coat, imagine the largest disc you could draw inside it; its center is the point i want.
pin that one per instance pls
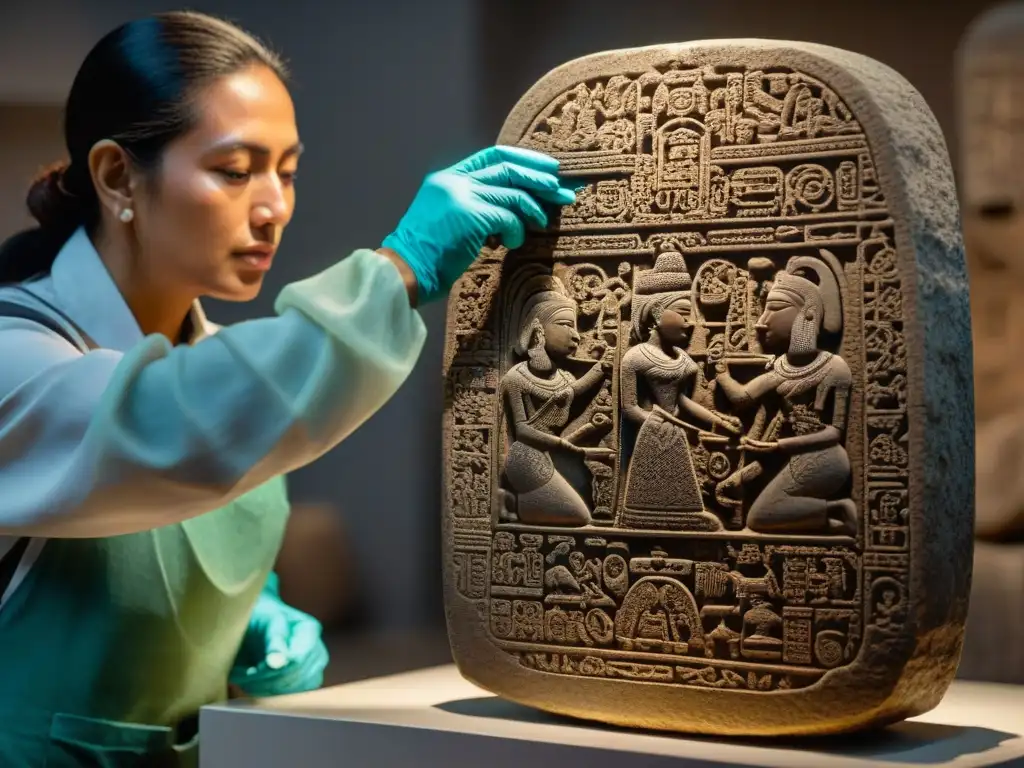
(140, 433)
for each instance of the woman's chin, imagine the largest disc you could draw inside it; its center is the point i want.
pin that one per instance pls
(237, 290)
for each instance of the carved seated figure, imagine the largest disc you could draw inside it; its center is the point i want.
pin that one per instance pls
(539, 396)
(801, 498)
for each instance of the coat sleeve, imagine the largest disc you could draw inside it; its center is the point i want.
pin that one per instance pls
(105, 443)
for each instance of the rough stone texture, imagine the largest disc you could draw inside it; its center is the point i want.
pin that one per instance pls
(709, 441)
(990, 71)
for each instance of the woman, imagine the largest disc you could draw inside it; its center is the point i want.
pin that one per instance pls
(539, 397)
(813, 388)
(656, 377)
(144, 448)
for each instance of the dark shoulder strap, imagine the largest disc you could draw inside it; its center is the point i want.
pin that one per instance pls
(11, 309)
(23, 312)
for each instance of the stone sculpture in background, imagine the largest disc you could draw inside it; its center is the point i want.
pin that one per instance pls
(991, 127)
(709, 439)
(990, 87)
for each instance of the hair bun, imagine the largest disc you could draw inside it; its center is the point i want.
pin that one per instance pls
(56, 210)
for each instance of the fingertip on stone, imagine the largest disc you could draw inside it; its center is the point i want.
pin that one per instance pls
(566, 196)
(542, 158)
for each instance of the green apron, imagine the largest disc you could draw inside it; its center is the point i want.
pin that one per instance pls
(109, 647)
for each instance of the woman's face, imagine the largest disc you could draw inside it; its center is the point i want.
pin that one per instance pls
(225, 191)
(775, 326)
(561, 338)
(674, 326)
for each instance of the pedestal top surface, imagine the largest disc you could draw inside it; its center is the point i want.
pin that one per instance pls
(976, 724)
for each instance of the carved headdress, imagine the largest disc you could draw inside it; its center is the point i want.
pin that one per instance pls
(537, 297)
(655, 289)
(821, 301)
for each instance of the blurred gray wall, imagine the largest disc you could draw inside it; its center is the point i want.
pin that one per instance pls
(389, 90)
(30, 137)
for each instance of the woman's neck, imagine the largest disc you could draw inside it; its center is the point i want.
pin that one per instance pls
(157, 307)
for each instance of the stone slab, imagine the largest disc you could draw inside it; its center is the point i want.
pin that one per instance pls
(709, 440)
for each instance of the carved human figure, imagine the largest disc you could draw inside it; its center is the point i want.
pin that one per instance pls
(809, 383)
(539, 396)
(656, 381)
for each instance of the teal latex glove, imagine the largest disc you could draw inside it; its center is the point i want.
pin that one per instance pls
(282, 651)
(496, 191)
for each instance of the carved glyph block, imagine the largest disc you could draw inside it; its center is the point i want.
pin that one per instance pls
(709, 439)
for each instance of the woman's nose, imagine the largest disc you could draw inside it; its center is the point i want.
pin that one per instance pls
(271, 206)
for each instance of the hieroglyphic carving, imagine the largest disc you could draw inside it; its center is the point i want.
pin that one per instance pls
(706, 144)
(692, 392)
(727, 613)
(471, 386)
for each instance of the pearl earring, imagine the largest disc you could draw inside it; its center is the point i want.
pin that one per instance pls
(126, 215)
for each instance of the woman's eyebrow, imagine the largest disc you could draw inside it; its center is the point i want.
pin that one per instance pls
(254, 147)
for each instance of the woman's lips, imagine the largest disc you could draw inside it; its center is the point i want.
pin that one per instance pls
(257, 257)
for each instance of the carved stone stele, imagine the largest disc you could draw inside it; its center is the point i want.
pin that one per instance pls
(709, 440)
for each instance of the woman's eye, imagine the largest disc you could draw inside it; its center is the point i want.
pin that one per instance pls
(233, 175)
(288, 177)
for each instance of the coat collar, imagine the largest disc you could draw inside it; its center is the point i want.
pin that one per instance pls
(83, 289)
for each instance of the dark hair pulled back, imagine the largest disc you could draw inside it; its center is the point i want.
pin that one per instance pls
(136, 87)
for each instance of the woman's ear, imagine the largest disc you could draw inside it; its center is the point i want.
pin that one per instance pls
(113, 176)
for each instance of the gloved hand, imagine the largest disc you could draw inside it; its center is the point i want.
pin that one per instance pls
(457, 209)
(282, 651)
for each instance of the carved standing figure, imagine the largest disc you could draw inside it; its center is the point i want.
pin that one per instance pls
(813, 387)
(656, 380)
(538, 395)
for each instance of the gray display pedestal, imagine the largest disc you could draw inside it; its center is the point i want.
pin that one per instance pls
(433, 717)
